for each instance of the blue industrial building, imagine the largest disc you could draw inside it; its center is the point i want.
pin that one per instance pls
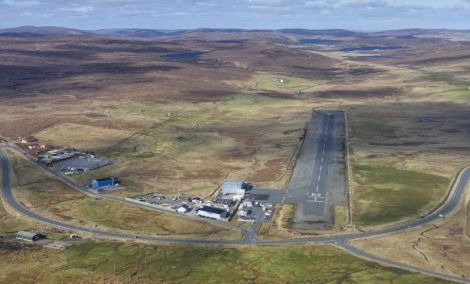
(103, 182)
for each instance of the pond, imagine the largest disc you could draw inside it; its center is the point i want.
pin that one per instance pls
(183, 55)
(317, 41)
(370, 48)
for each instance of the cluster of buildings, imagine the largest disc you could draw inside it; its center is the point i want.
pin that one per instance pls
(222, 207)
(32, 146)
(232, 192)
(49, 157)
(69, 161)
(40, 151)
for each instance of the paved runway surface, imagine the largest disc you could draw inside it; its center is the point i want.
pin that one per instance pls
(312, 185)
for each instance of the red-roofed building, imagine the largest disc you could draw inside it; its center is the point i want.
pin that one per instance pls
(29, 139)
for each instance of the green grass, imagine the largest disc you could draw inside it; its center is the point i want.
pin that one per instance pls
(92, 262)
(125, 217)
(273, 83)
(341, 215)
(447, 79)
(191, 264)
(386, 194)
(368, 127)
(158, 142)
(286, 213)
(247, 105)
(10, 223)
(457, 94)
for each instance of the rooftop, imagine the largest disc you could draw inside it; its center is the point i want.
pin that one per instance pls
(26, 234)
(212, 210)
(230, 186)
(104, 179)
(234, 182)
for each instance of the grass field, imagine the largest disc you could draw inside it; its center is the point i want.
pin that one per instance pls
(11, 224)
(121, 217)
(367, 127)
(441, 246)
(199, 143)
(272, 82)
(135, 263)
(341, 215)
(447, 78)
(280, 227)
(285, 215)
(81, 136)
(462, 94)
(386, 194)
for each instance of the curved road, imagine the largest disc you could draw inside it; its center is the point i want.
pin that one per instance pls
(340, 241)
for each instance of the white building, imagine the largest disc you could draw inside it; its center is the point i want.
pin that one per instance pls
(183, 208)
(233, 187)
(212, 212)
(243, 211)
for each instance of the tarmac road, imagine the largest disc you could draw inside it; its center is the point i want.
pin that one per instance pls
(340, 241)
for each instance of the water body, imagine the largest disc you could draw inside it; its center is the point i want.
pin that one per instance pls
(317, 41)
(373, 56)
(183, 56)
(369, 48)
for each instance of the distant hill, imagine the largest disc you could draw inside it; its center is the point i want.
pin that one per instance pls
(141, 33)
(328, 32)
(33, 31)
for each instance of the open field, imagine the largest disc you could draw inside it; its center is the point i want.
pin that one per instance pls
(135, 263)
(341, 215)
(406, 153)
(80, 136)
(442, 247)
(280, 227)
(388, 194)
(286, 84)
(55, 200)
(10, 223)
(200, 143)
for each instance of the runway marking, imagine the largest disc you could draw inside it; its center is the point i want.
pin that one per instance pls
(318, 198)
(319, 177)
(317, 189)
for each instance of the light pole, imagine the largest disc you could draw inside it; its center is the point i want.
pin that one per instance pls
(179, 185)
(155, 185)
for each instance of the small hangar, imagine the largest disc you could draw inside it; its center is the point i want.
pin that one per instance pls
(29, 236)
(213, 213)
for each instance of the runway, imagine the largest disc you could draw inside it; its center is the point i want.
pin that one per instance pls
(317, 183)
